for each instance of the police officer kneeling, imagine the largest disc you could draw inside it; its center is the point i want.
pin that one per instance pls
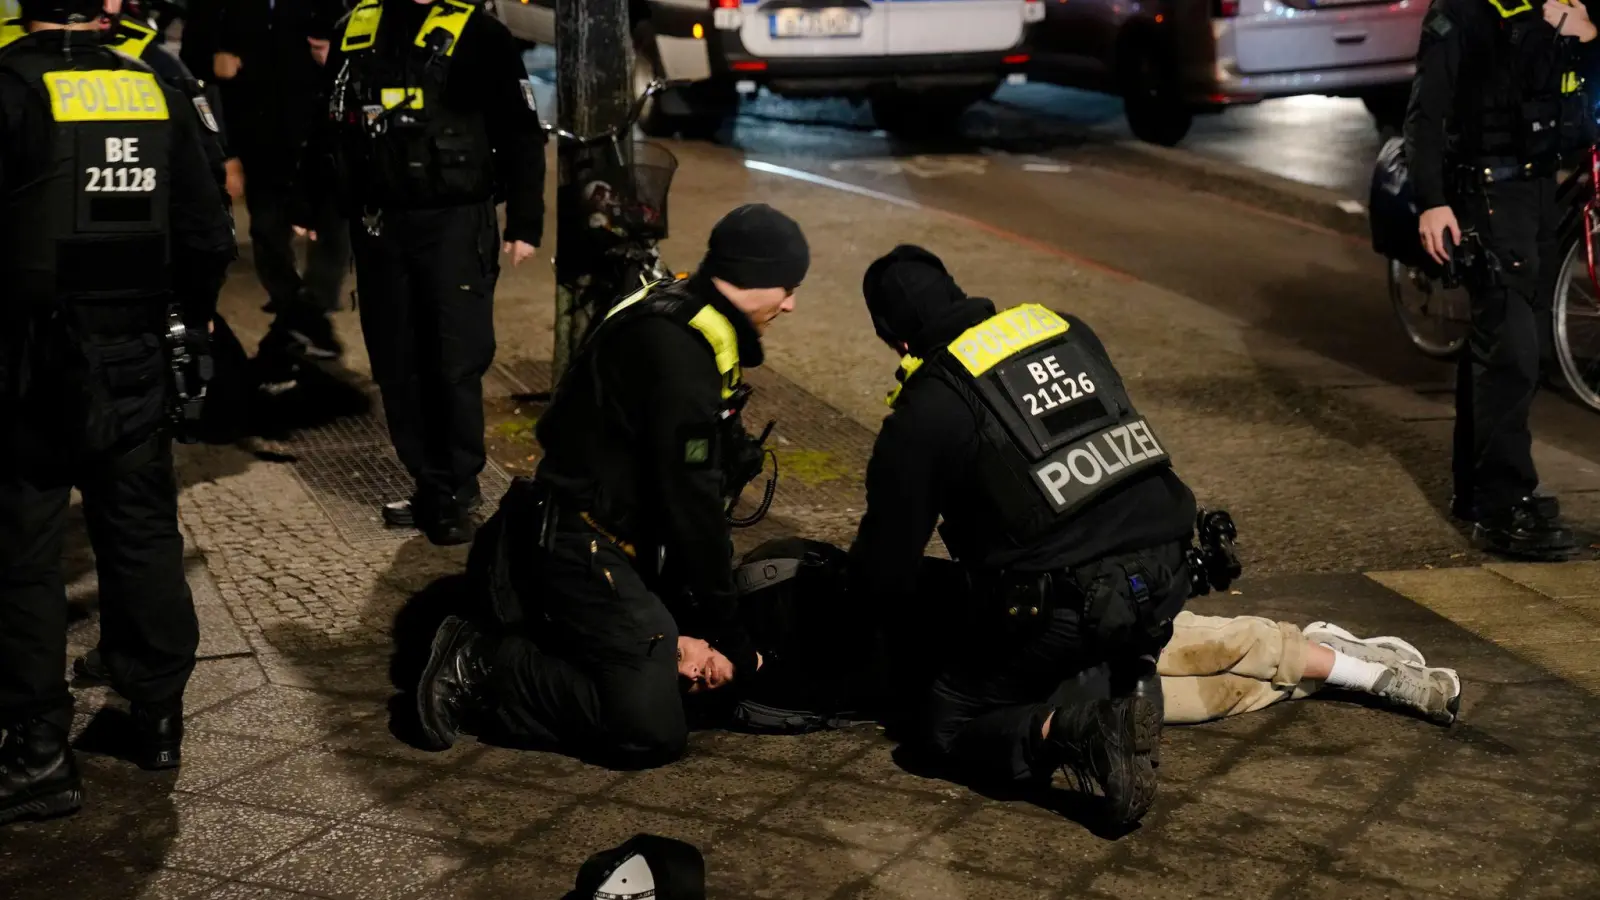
(1060, 503)
(100, 178)
(602, 568)
(1496, 102)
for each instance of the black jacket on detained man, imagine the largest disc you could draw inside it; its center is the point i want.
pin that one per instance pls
(614, 440)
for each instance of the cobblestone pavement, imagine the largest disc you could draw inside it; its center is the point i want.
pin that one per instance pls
(295, 783)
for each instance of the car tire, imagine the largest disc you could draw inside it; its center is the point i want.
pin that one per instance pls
(1388, 107)
(925, 114)
(1150, 98)
(709, 103)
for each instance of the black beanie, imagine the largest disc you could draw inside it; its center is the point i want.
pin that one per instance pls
(913, 300)
(755, 246)
(61, 12)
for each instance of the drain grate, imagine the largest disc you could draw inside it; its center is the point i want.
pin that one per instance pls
(349, 467)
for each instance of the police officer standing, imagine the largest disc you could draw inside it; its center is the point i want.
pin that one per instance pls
(99, 178)
(1495, 103)
(612, 569)
(431, 122)
(1060, 504)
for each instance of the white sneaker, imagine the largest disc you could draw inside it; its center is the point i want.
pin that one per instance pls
(1385, 651)
(1435, 693)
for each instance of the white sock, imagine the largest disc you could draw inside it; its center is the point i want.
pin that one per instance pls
(1353, 674)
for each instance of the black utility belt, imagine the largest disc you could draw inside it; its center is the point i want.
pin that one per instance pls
(1487, 172)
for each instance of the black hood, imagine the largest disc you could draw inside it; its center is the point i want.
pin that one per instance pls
(913, 300)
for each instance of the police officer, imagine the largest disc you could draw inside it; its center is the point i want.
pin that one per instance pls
(99, 177)
(431, 121)
(1495, 103)
(611, 571)
(1060, 503)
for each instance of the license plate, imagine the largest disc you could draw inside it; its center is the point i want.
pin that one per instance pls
(817, 23)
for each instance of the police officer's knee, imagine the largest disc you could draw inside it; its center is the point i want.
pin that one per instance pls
(648, 742)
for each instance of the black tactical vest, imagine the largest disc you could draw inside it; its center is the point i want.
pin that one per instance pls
(1056, 426)
(1524, 103)
(399, 144)
(93, 225)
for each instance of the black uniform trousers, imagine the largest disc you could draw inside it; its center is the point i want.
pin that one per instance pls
(1001, 680)
(426, 297)
(1510, 336)
(149, 632)
(293, 296)
(593, 670)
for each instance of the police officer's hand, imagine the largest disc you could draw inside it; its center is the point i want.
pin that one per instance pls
(225, 65)
(302, 231)
(235, 171)
(1571, 19)
(319, 50)
(1435, 222)
(519, 250)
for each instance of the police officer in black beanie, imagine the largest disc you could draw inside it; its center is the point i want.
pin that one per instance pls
(628, 595)
(1060, 504)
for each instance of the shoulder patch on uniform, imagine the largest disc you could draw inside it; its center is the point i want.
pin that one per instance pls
(203, 108)
(699, 442)
(527, 94)
(697, 451)
(1438, 22)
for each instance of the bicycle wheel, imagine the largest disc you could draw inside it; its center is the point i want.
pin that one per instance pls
(1577, 327)
(1435, 319)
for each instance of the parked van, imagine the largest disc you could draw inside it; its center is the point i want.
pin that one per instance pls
(920, 63)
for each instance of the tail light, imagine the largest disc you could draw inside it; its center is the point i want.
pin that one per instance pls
(726, 15)
(1224, 9)
(1033, 10)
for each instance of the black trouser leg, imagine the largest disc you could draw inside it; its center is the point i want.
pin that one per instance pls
(148, 629)
(33, 600)
(1499, 373)
(601, 678)
(272, 236)
(388, 313)
(327, 259)
(456, 264)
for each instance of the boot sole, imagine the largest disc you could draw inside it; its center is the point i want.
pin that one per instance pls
(1129, 801)
(436, 735)
(1533, 552)
(50, 806)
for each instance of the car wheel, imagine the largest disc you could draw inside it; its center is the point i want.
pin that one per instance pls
(925, 114)
(1150, 97)
(708, 108)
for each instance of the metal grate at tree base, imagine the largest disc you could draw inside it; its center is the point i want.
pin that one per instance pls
(350, 468)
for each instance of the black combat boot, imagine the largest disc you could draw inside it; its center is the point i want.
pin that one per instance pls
(158, 734)
(1548, 506)
(38, 775)
(90, 668)
(1149, 710)
(1099, 744)
(451, 694)
(1523, 531)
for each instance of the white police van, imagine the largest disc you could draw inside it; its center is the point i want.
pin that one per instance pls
(920, 63)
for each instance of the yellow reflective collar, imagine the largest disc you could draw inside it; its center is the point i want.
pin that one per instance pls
(450, 15)
(105, 95)
(10, 30)
(990, 342)
(724, 341)
(132, 38)
(1509, 8)
(908, 366)
(1570, 82)
(361, 29)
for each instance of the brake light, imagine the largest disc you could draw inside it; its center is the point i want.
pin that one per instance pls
(1017, 60)
(1225, 9)
(756, 65)
(726, 4)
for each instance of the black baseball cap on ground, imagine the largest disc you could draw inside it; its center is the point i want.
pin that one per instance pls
(645, 866)
(755, 246)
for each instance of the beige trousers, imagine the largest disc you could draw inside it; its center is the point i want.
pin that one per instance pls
(1216, 667)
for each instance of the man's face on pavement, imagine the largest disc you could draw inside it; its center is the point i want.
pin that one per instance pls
(761, 306)
(702, 666)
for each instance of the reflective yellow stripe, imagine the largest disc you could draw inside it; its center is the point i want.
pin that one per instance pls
(986, 344)
(1570, 82)
(631, 299)
(908, 367)
(10, 30)
(1516, 7)
(392, 97)
(452, 16)
(132, 38)
(104, 95)
(724, 341)
(362, 28)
